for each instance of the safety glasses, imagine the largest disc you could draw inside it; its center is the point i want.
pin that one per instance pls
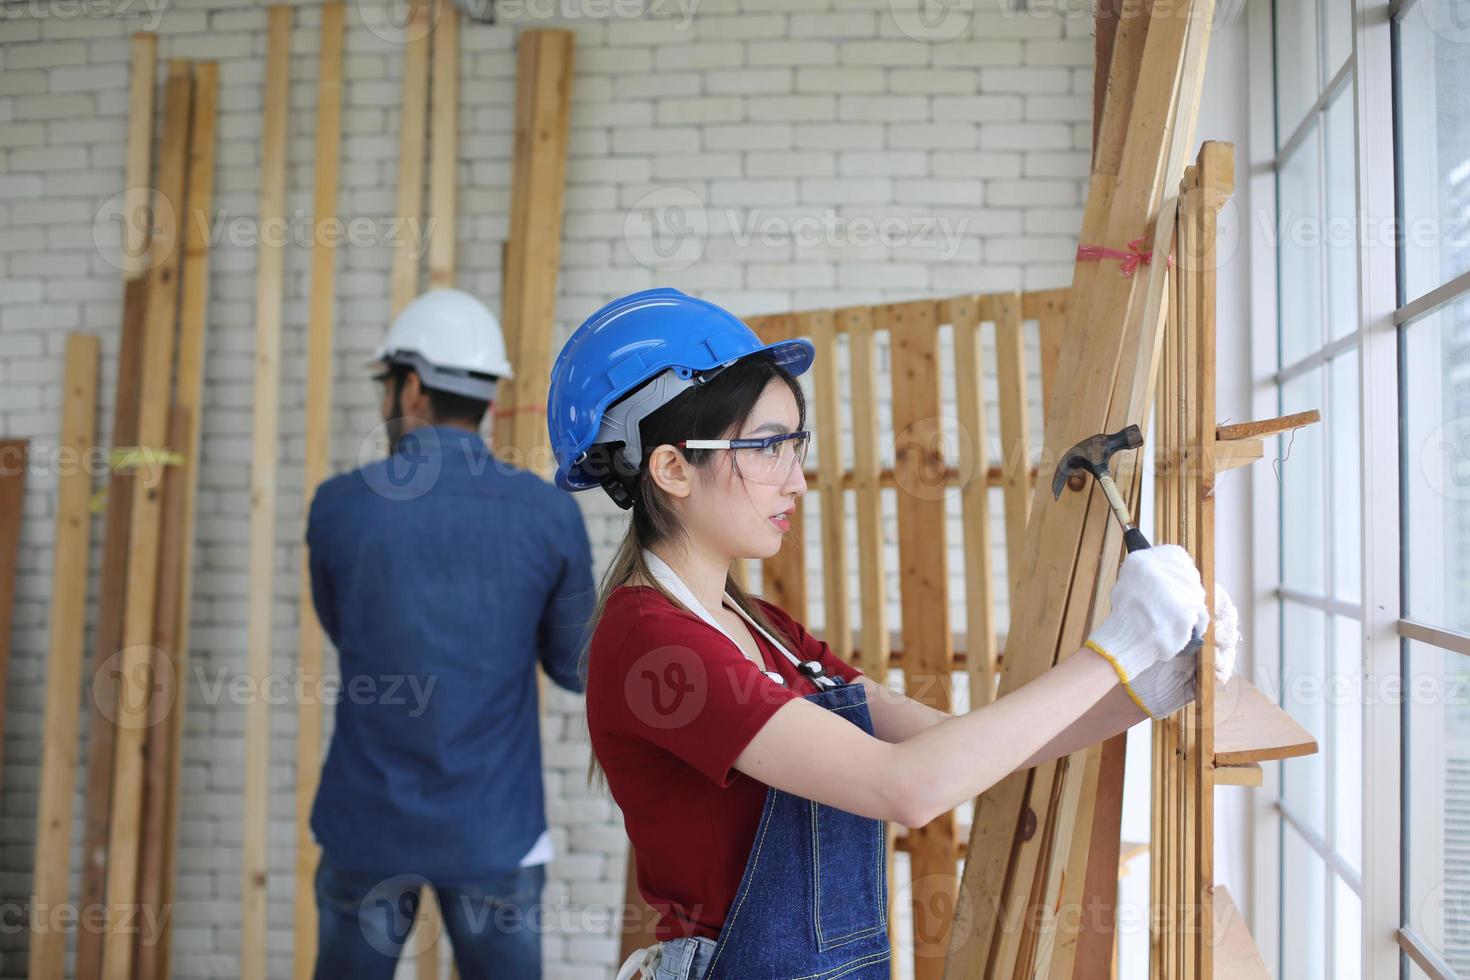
(769, 460)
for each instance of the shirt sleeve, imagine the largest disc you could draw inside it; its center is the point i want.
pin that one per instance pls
(808, 647)
(688, 690)
(323, 598)
(564, 619)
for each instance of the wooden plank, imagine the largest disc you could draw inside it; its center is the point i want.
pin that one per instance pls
(189, 396)
(101, 722)
(1015, 446)
(159, 748)
(965, 316)
(874, 642)
(265, 437)
(1236, 957)
(444, 146)
(61, 725)
(413, 114)
(15, 455)
(1112, 330)
(101, 717)
(538, 190)
(138, 167)
(919, 466)
(827, 406)
(1267, 427)
(1251, 728)
(320, 320)
(134, 703)
(1052, 325)
(1246, 775)
(783, 575)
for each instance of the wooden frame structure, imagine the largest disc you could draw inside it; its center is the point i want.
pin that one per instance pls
(1223, 737)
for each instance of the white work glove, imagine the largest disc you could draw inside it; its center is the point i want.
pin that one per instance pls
(1158, 603)
(1166, 687)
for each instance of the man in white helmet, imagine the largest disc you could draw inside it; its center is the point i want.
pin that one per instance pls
(443, 576)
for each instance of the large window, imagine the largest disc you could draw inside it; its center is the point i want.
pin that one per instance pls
(1372, 104)
(1431, 41)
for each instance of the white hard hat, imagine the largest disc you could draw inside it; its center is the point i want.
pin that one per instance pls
(452, 340)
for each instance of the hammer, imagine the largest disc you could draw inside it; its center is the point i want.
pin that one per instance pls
(1094, 455)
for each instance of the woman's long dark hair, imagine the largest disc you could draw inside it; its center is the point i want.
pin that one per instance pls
(716, 409)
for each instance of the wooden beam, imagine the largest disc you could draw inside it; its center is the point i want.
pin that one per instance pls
(827, 407)
(444, 146)
(189, 397)
(533, 254)
(61, 726)
(1248, 774)
(255, 863)
(872, 655)
(101, 724)
(783, 575)
(403, 282)
(321, 315)
(15, 455)
(1236, 957)
(1267, 427)
(919, 468)
(159, 749)
(136, 680)
(1015, 442)
(965, 315)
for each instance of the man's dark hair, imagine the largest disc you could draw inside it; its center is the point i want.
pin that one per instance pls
(446, 405)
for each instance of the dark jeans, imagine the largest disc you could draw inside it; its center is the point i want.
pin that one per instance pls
(365, 919)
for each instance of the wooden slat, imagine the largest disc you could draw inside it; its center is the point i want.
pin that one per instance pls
(1267, 427)
(783, 575)
(165, 661)
(1236, 957)
(101, 724)
(919, 466)
(827, 406)
(61, 727)
(1015, 446)
(538, 188)
(1110, 352)
(874, 639)
(1246, 775)
(413, 115)
(444, 146)
(320, 320)
(15, 455)
(135, 680)
(189, 396)
(965, 316)
(102, 718)
(265, 437)
(1251, 728)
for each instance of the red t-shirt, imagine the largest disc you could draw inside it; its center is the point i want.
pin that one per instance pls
(671, 703)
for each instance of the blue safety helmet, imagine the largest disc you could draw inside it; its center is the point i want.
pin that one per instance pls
(653, 345)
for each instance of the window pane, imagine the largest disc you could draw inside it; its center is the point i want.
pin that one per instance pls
(1337, 36)
(1347, 930)
(1303, 909)
(1303, 496)
(1297, 85)
(1344, 746)
(1437, 800)
(1436, 407)
(1341, 238)
(1434, 64)
(1303, 652)
(1341, 418)
(1299, 226)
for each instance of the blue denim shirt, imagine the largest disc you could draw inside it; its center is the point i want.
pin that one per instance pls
(442, 576)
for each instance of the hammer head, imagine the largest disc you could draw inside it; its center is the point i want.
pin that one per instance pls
(1094, 455)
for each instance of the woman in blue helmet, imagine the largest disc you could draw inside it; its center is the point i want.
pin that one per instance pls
(754, 768)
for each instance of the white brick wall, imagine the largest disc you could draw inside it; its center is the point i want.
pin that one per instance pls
(750, 112)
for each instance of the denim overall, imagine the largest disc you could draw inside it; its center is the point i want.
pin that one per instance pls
(813, 902)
